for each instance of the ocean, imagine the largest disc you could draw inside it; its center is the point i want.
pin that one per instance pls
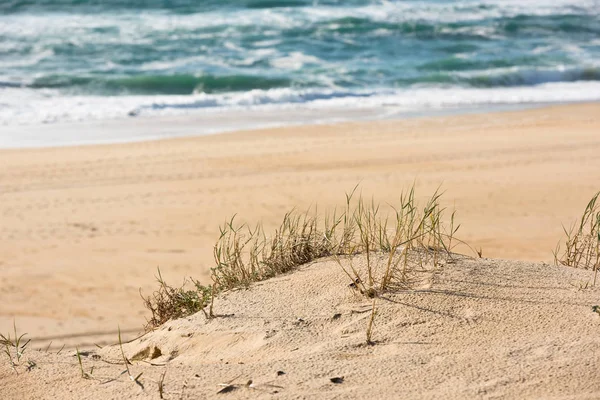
(77, 60)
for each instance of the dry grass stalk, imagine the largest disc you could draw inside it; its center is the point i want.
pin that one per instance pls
(370, 324)
(582, 243)
(161, 385)
(127, 362)
(84, 374)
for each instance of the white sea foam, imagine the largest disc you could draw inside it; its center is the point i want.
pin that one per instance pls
(21, 107)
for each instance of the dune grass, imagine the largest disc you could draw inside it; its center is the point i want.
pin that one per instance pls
(170, 302)
(582, 241)
(408, 237)
(396, 245)
(14, 347)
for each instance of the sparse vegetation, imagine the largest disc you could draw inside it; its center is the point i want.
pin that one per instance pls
(84, 374)
(395, 247)
(409, 235)
(245, 255)
(371, 323)
(582, 242)
(135, 379)
(176, 302)
(14, 348)
(161, 384)
(397, 244)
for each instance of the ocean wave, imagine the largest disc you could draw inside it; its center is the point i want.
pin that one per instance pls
(448, 72)
(163, 15)
(10, 85)
(257, 97)
(138, 52)
(453, 74)
(531, 77)
(158, 84)
(28, 106)
(179, 6)
(413, 98)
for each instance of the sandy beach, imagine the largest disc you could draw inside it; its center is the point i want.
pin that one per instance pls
(83, 229)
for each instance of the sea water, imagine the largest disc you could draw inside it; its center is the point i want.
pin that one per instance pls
(78, 60)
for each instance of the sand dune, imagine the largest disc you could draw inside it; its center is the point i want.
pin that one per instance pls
(481, 329)
(83, 228)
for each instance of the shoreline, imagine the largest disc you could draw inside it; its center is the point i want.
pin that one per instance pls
(151, 128)
(83, 228)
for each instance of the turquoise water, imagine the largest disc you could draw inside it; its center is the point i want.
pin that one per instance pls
(68, 60)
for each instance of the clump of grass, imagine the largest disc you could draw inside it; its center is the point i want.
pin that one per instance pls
(582, 242)
(176, 302)
(410, 235)
(14, 348)
(408, 240)
(245, 255)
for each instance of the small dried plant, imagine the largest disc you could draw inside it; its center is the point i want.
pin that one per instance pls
(135, 379)
(410, 241)
(84, 375)
(14, 347)
(177, 302)
(582, 242)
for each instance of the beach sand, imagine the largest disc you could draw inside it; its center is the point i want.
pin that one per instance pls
(83, 228)
(477, 329)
